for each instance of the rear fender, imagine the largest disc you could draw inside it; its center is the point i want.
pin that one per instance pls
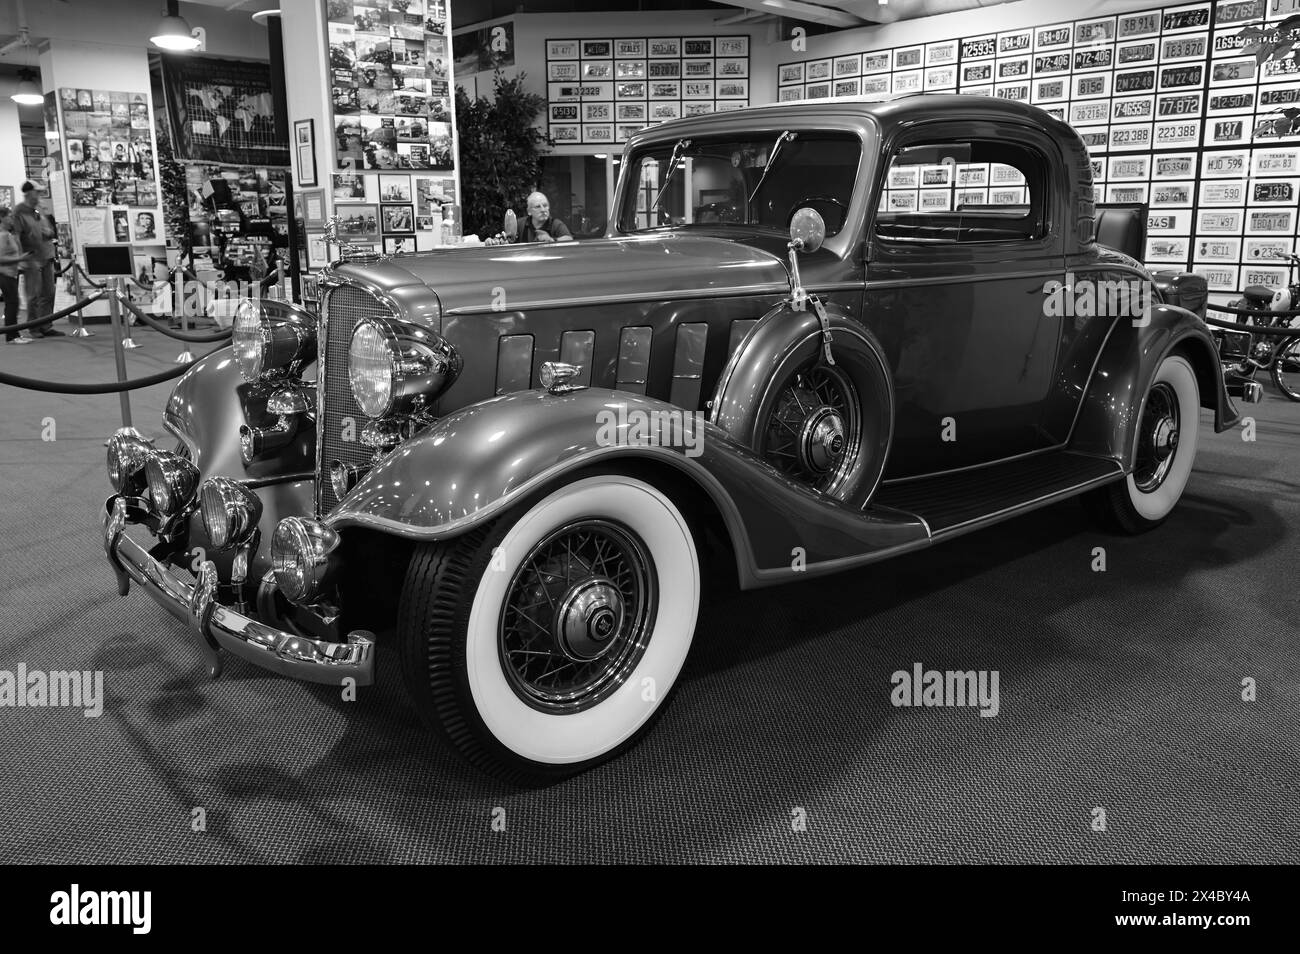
(1107, 423)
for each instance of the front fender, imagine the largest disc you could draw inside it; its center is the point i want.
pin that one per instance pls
(474, 464)
(1108, 417)
(207, 406)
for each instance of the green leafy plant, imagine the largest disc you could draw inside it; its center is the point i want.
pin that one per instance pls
(175, 193)
(1277, 43)
(500, 152)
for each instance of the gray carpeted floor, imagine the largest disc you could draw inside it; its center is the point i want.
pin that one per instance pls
(1119, 690)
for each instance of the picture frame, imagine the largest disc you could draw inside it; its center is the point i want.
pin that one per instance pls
(358, 223)
(304, 138)
(318, 255)
(395, 188)
(399, 244)
(397, 218)
(313, 208)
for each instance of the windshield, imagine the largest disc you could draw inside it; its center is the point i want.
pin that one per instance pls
(710, 182)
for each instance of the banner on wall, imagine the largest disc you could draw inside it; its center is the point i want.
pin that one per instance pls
(484, 49)
(221, 111)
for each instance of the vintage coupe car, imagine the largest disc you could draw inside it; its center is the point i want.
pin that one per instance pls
(502, 469)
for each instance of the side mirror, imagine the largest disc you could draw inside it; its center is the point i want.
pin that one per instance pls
(807, 230)
(511, 225)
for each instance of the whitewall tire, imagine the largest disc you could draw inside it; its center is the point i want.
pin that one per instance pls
(1168, 427)
(548, 641)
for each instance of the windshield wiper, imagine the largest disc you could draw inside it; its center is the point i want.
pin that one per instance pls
(673, 161)
(781, 140)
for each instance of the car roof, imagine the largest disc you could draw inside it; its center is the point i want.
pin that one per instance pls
(886, 112)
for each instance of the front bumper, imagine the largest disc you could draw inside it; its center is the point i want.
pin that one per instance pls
(220, 627)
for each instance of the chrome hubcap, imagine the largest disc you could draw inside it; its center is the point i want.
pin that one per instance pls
(821, 443)
(577, 616)
(589, 614)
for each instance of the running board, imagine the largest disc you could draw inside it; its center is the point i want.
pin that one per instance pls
(955, 503)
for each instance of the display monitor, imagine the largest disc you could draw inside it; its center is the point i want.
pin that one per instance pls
(108, 261)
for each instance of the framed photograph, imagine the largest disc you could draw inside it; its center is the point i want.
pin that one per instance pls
(313, 208)
(318, 255)
(399, 244)
(38, 151)
(398, 218)
(359, 223)
(394, 189)
(304, 137)
(349, 187)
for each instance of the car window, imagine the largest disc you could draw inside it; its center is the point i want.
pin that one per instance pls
(964, 191)
(722, 181)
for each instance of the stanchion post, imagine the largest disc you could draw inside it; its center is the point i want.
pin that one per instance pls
(81, 331)
(186, 356)
(119, 345)
(116, 294)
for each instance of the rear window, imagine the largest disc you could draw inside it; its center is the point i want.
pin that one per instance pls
(964, 191)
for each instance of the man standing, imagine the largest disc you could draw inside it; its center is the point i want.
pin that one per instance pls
(36, 235)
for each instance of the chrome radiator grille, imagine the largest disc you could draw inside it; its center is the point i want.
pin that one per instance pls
(342, 308)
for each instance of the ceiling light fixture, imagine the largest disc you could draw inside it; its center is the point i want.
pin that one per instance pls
(174, 33)
(27, 93)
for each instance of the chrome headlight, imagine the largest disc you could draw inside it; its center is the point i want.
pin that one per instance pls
(303, 558)
(173, 482)
(372, 368)
(390, 367)
(230, 511)
(265, 342)
(128, 452)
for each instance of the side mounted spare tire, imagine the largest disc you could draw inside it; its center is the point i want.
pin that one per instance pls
(828, 427)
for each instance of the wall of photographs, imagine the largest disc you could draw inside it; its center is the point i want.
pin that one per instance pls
(1160, 96)
(390, 75)
(603, 91)
(108, 145)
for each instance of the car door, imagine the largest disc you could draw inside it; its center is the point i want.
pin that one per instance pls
(964, 248)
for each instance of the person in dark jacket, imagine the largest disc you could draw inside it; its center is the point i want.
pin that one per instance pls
(36, 235)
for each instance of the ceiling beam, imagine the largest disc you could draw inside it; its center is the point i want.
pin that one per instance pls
(800, 10)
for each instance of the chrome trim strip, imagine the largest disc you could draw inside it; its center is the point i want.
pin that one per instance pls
(894, 482)
(312, 660)
(774, 288)
(1044, 272)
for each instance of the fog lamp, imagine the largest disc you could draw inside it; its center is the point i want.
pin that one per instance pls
(128, 452)
(303, 557)
(173, 482)
(230, 511)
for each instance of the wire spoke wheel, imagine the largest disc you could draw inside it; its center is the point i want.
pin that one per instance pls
(815, 427)
(577, 616)
(1157, 438)
(1286, 368)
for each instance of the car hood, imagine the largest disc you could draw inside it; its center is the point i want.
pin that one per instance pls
(509, 277)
